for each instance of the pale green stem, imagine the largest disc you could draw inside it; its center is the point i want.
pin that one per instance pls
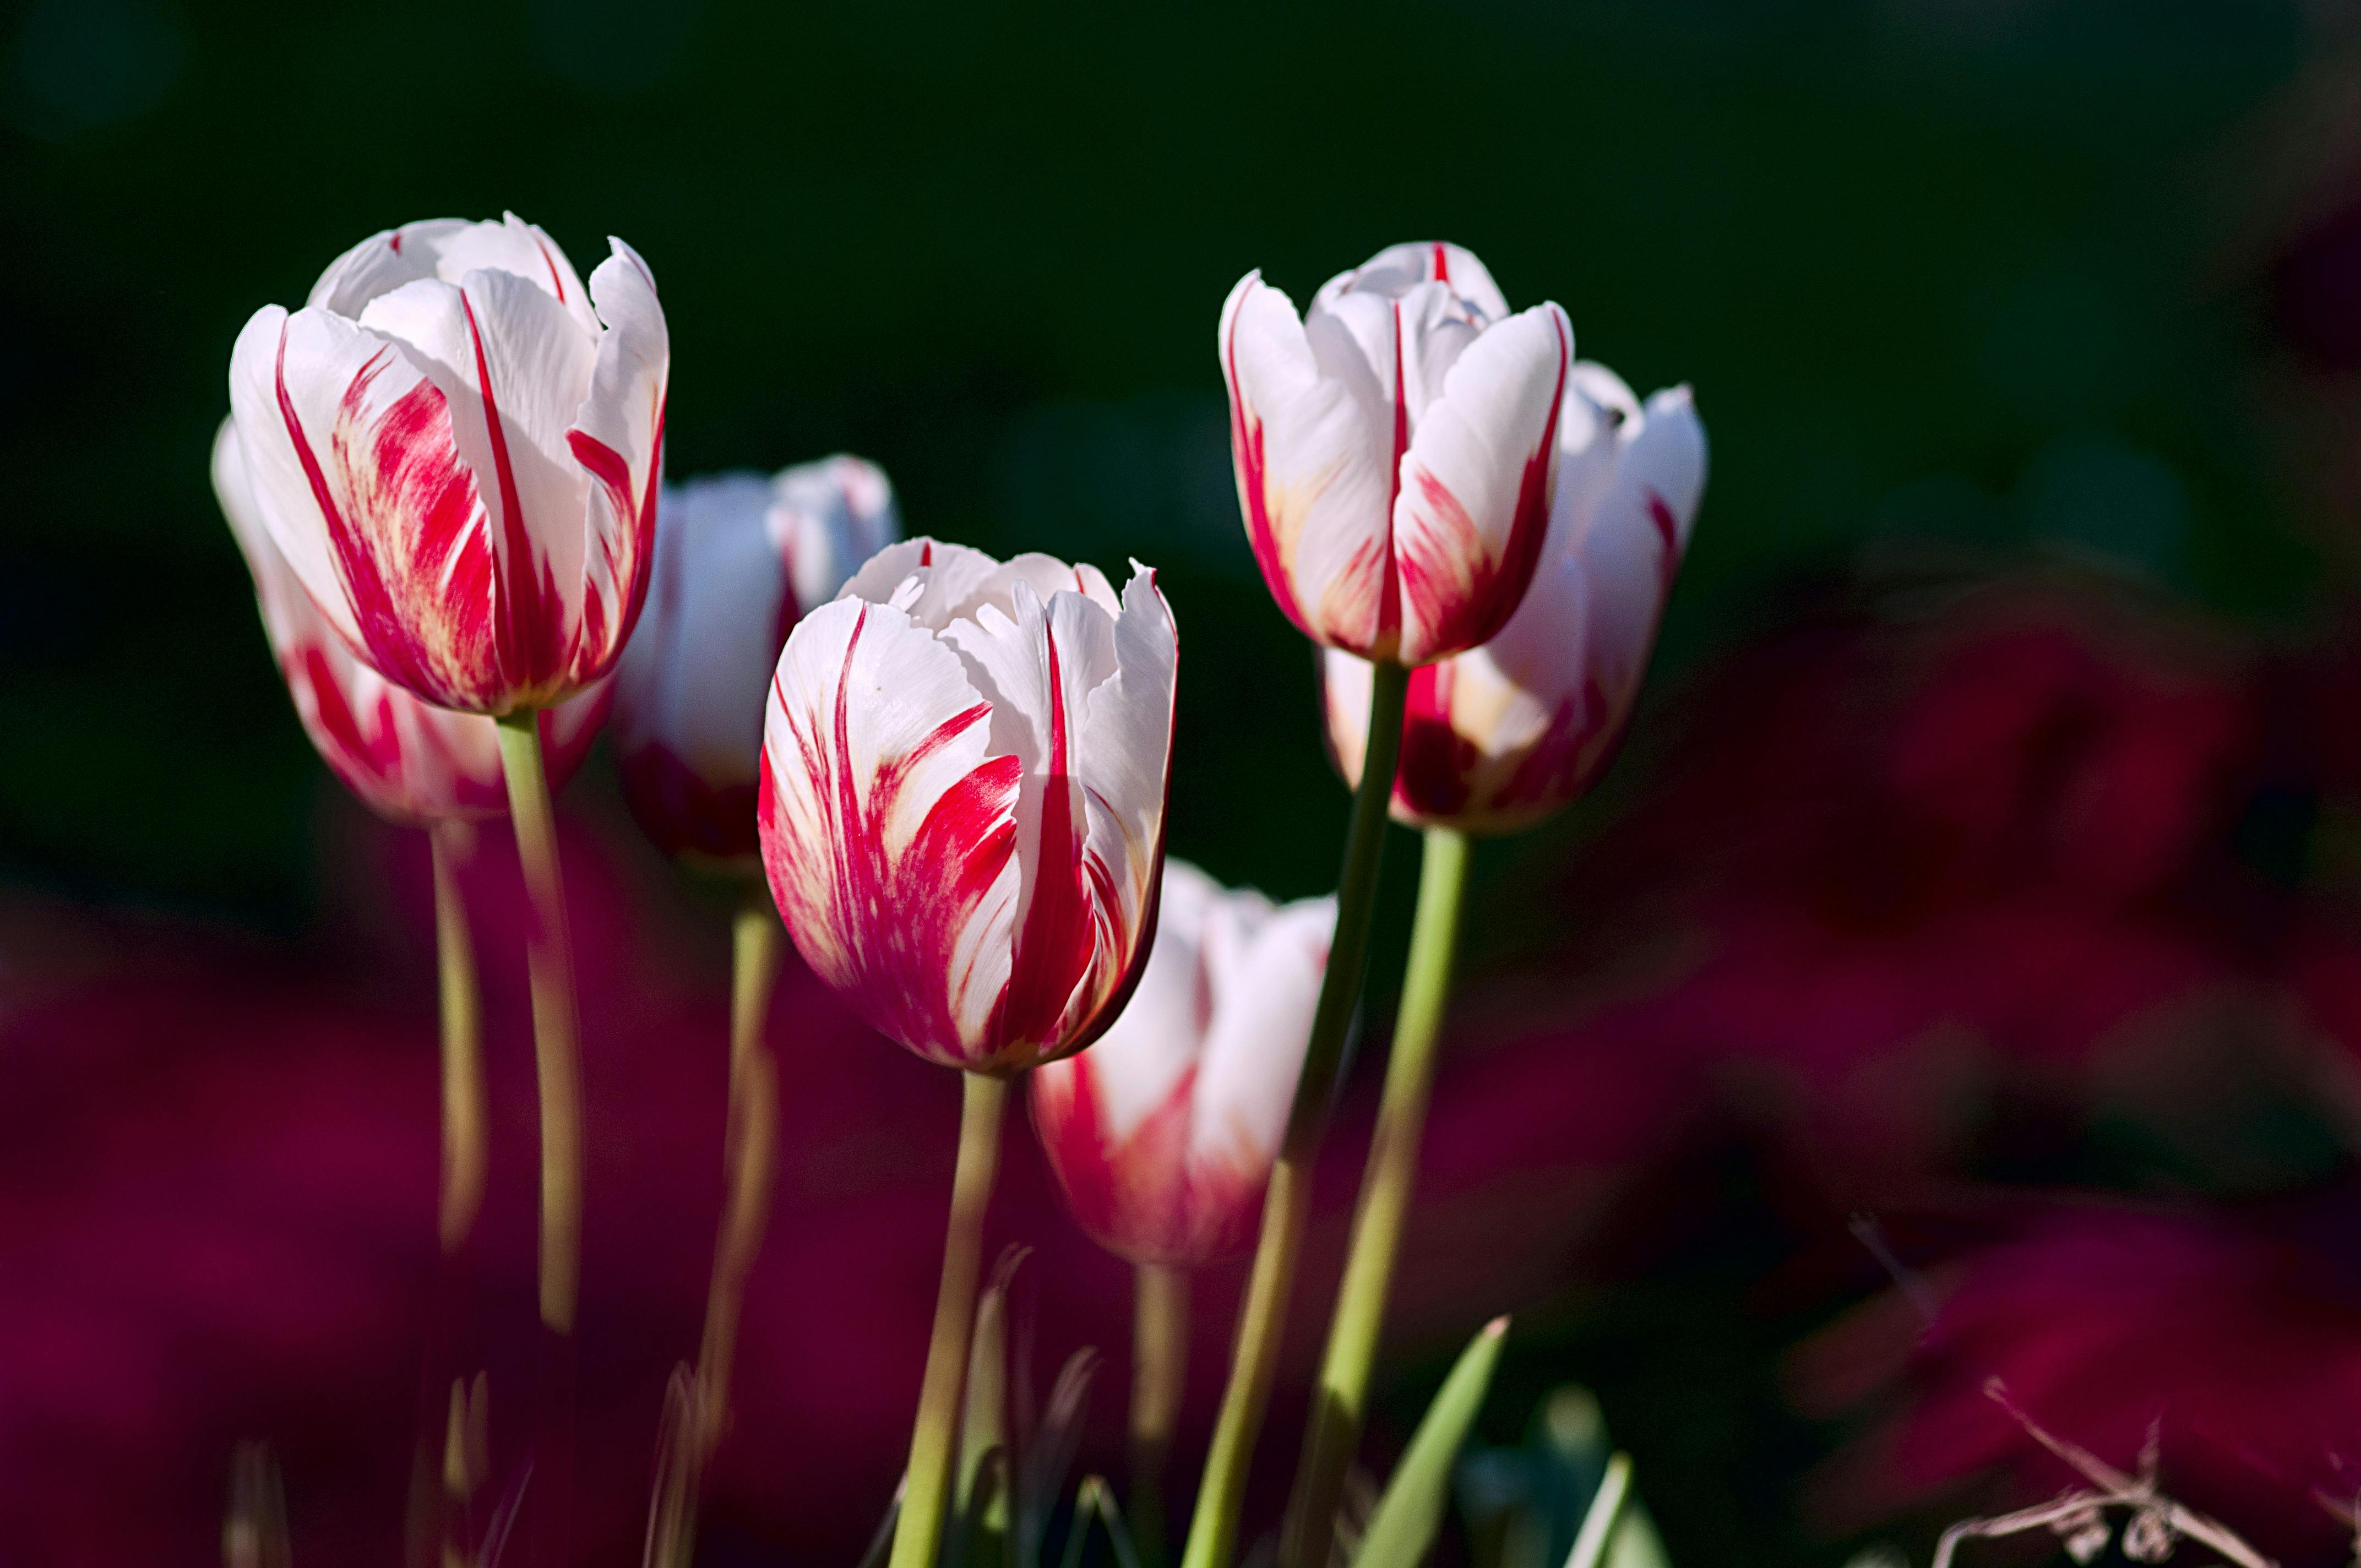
(1340, 1400)
(749, 1156)
(464, 1136)
(1160, 1370)
(557, 1036)
(1262, 1316)
(918, 1535)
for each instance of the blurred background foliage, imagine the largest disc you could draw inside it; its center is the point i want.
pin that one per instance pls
(1968, 288)
(1963, 270)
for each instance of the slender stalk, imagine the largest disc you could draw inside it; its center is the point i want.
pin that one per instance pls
(549, 958)
(549, 953)
(750, 1158)
(918, 1536)
(465, 1143)
(1285, 1207)
(1340, 1398)
(464, 1138)
(1160, 1370)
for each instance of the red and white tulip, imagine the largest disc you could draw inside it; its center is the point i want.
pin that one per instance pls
(1395, 448)
(739, 559)
(1499, 738)
(1163, 1133)
(964, 772)
(407, 759)
(456, 447)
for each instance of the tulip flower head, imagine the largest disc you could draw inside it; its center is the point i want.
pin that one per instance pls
(1163, 1133)
(964, 770)
(739, 558)
(1395, 448)
(1501, 737)
(456, 447)
(408, 761)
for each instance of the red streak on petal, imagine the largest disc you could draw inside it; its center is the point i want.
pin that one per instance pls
(1441, 264)
(1056, 946)
(1389, 589)
(396, 242)
(1436, 775)
(1668, 534)
(520, 629)
(412, 507)
(550, 261)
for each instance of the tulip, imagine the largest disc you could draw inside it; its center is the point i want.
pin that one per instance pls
(1396, 452)
(456, 447)
(1494, 738)
(1394, 449)
(1501, 737)
(407, 759)
(1162, 1133)
(739, 558)
(962, 797)
(961, 810)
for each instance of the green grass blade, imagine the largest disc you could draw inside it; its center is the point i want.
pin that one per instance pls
(1412, 1510)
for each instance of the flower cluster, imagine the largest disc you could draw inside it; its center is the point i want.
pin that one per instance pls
(948, 774)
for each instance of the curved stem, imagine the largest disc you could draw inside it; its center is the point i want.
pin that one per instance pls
(1285, 1207)
(918, 1535)
(549, 953)
(1342, 1397)
(750, 1157)
(463, 1137)
(1160, 1370)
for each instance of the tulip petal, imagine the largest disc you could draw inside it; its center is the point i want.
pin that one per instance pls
(383, 263)
(363, 487)
(618, 437)
(1473, 513)
(1126, 766)
(890, 828)
(1399, 269)
(1265, 967)
(1313, 440)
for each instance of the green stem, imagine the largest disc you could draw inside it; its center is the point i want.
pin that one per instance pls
(917, 1537)
(1214, 1529)
(556, 1035)
(749, 1156)
(1159, 1369)
(463, 1137)
(1341, 1399)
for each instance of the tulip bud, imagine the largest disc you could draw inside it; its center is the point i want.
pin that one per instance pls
(1163, 1133)
(1501, 737)
(739, 558)
(1394, 449)
(457, 448)
(408, 761)
(964, 770)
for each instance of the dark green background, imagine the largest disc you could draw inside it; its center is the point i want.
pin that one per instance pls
(1938, 264)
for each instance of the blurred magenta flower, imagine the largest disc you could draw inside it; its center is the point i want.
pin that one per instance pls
(408, 759)
(1501, 736)
(2233, 1335)
(1163, 1133)
(737, 558)
(1395, 448)
(965, 765)
(456, 447)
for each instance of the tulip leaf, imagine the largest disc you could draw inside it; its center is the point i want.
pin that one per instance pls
(1412, 1510)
